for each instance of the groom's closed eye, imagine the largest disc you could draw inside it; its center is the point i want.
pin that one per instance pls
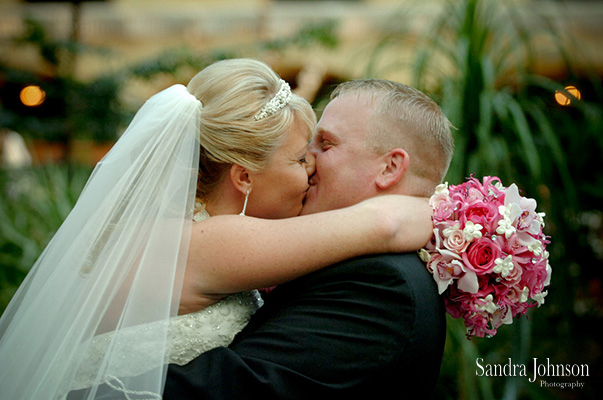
(322, 141)
(325, 145)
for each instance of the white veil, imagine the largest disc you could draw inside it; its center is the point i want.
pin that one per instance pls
(117, 261)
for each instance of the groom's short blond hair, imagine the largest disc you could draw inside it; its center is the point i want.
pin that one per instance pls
(404, 117)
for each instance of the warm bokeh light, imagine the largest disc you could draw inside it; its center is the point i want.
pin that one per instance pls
(565, 100)
(32, 96)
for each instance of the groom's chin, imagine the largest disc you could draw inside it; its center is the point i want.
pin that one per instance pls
(306, 209)
(309, 206)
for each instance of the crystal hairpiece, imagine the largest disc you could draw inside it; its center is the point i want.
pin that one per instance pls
(280, 100)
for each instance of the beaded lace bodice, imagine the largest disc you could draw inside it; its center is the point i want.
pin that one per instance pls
(190, 335)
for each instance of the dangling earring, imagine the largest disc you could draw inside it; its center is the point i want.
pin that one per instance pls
(245, 203)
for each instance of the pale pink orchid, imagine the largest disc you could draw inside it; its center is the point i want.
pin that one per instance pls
(529, 221)
(468, 282)
(448, 266)
(509, 213)
(502, 315)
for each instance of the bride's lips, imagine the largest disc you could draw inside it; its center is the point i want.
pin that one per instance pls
(304, 194)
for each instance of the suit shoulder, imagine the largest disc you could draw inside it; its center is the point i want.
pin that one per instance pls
(402, 271)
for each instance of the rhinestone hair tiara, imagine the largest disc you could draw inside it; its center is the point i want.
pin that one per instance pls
(280, 100)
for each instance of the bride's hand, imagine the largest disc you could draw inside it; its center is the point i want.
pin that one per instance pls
(406, 221)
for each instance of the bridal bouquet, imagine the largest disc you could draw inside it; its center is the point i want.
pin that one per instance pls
(487, 254)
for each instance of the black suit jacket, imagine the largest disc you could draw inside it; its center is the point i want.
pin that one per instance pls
(358, 329)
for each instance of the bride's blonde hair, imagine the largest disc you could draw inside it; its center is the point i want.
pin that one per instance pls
(233, 92)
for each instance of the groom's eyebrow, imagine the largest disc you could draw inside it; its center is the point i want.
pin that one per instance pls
(323, 134)
(328, 136)
(317, 135)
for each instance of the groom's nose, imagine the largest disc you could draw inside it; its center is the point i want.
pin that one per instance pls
(310, 163)
(313, 146)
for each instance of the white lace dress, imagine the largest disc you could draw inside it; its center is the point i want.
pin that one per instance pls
(190, 335)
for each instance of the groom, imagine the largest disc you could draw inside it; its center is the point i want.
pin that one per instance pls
(368, 326)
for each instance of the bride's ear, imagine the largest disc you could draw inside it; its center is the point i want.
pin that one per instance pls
(395, 164)
(239, 176)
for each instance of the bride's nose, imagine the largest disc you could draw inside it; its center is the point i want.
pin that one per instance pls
(310, 164)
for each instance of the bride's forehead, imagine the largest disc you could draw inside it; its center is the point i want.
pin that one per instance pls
(295, 138)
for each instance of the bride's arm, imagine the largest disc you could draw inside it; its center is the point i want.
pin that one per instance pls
(231, 253)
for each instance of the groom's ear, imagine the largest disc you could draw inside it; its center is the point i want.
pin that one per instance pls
(239, 176)
(395, 164)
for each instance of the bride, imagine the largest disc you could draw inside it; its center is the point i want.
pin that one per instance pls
(185, 217)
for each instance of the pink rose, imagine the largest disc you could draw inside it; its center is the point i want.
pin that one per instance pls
(456, 241)
(481, 254)
(452, 237)
(514, 276)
